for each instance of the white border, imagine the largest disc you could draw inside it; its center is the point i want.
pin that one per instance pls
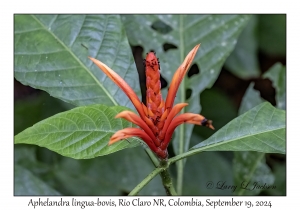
(8, 8)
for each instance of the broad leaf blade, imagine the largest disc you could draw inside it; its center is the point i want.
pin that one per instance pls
(260, 129)
(27, 184)
(277, 74)
(80, 133)
(51, 53)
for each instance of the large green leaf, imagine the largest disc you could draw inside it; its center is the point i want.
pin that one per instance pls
(51, 53)
(261, 129)
(277, 74)
(243, 61)
(26, 183)
(80, 133)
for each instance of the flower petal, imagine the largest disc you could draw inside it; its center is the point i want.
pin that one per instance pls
(174, 111)
(179, 75)
(132, 117)
(122, 84)
(131, 132)
(184, 118)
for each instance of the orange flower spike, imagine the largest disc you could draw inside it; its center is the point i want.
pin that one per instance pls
(179, 75)
(158, 119)
(155, 102)
(122, 84)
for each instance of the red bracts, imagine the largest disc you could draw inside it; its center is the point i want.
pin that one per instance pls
(157, 120)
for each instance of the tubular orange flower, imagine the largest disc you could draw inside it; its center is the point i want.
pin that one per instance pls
(158, 118)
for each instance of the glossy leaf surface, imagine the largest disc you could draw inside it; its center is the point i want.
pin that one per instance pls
(260, 129)
(80, 133)
(51, 54)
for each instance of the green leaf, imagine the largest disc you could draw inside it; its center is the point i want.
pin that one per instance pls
(26, 183)
(272, 29)
(80, 133)
(277, 74)
(261, 129)
(243, 61)
(115, 174)
(51, 53)
(250, 170)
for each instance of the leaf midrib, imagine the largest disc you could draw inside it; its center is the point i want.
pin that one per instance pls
(180, 165)
(239, 138)
(80, 63)
(67, 131)
(197, 150)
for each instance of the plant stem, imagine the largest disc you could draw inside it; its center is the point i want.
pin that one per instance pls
(152, 157)
(162, 168)
(179, 176)
(180, 165)
(141, 185)
(166, 178)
